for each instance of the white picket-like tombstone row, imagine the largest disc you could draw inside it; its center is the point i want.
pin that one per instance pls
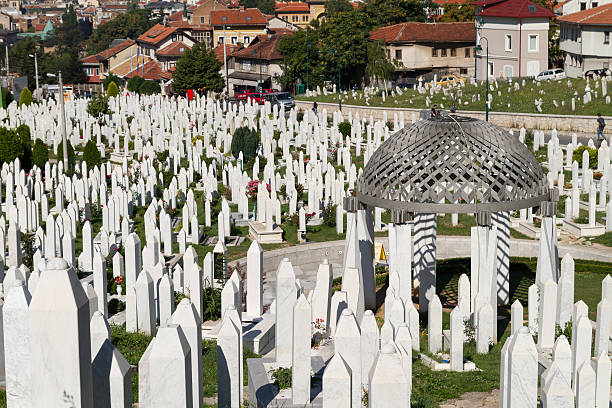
(364, 355)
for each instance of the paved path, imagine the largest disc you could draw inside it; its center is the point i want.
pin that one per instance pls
(474, 400)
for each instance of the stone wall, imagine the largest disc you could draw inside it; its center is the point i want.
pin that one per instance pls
(308, 256)
(569, 123)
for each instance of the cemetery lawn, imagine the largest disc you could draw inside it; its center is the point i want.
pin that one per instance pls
(518, 101)
(431, 387)
(133, 345)
(605, 239)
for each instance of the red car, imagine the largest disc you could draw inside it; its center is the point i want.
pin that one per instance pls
(257, 96)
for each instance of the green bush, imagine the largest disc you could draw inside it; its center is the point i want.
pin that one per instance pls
(7, 97)
(212, 304)
(134, 83)
(25, 98)
(577, 156)
(345, 128)
(246, 141)
(329, 215)
(113, 90)
(60, 157)
(23, 131)
(40, 154)
(282, 377)
(149, 88)
(110, 78)
(98, 106)
(91, 154)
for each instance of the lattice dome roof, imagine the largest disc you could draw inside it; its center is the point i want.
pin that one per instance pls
(433, 166)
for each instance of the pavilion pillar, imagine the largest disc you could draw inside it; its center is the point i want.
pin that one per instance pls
(548, 256)
(502, 221)
(400, 261)
(425, 257)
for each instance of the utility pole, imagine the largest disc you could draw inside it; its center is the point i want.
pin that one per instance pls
(225, 61)
(61, 101)
(36, 69)
(8, 78)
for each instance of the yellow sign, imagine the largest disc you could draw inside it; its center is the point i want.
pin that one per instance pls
(379, 252)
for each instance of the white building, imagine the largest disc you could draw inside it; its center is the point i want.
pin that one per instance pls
(585, 40)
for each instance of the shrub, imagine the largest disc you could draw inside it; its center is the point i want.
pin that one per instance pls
(113, 90)
(345, 128)
(91, 154)
(40, 153)
(212, 304)
(60, 157)
(577, 156)
(25, 98)
(110, 78)
(98, 106)
(7, 97)
(23, 131)
(282, 377)
(329, 215)
(246, 141)
(134, 83)
(149, 88)
(10, 145)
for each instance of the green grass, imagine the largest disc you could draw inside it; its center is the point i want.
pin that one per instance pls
(509, 101)
(605, 239)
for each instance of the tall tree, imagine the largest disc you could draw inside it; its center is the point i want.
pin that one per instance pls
(300, 53)
(454, 12)
(66, 61)
(343, 43)
(379, 68)
(67, 34)
(197, 69)
(129, 25)
(333, 7)
(265, 6)
(20, 59)
(389, 12)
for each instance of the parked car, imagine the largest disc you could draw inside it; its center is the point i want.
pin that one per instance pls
(282, 99)
(248, 94)
(448, 79)
(551, 75)
(596, 72)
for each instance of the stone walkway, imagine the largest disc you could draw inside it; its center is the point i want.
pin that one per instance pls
(474, 400)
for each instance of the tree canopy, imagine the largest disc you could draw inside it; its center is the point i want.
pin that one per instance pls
(457, 13)
(333, 7)
(129, 25)
(300, 52)
(197, 69)
(265, 6)
(387, 12)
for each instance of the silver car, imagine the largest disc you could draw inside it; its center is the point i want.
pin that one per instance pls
(282, 99)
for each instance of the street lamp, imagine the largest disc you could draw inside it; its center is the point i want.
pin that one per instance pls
(35, 56)
(61, 102)
(479, 22)
(479, 48)
(307, 62)
(260, 62)
(225, 59)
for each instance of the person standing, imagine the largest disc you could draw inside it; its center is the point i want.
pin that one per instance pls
(434, 113)
(601, 124)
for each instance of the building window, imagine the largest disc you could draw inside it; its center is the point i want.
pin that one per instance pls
(582, 6)
(247, 39)
(264, 67)
(246, 65)
(491, 69)
(434, 52)
(234, 40)
(202, 20)
(388, 54)
(594, 4)
(453, 52)
(463, 71)
(467, 53)
(398, 54)
(221, 40)
(508, 42)
(606, 37)
(533, 42)
(443, 52)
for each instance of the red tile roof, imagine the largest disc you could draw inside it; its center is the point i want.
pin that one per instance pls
(178, 16)
(109, 52)
(250, 16)
(228, 51)
(292, 7)
(167, 74)
(444, 2)
(176, 49)
(264, 47)
(512, 9)
(425, 32)
(150, 70)
(156, 34)
(601, 15)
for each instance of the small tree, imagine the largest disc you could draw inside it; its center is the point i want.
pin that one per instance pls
(23, 131)
(134, 83)
(110, 78)
(196, 69)
(7, 97)
(91, 154)
(25, 98)
(98, 106)
(112, 90)
(345, 128)
(149, 88)
(40, 154)
(246, 141)
(10, 145)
